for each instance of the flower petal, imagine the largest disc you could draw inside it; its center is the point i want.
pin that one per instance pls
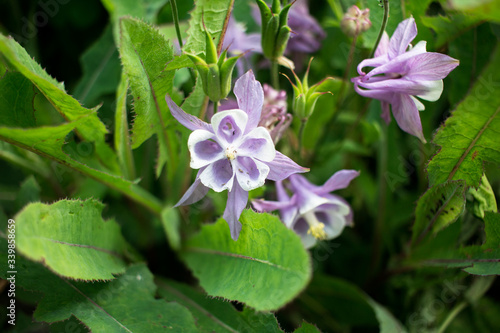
(282, 167)
(194, 193)
(204, 149)
(402, 37)
(287, 213)
(407, 116)
(434, 90)
(229, 125)
(189, 121)
(250, 172)
(403, 86)
(380, 94)
(383, 46)
(386, 111)
(237, 200)
(398, 65)
(219, 176)
(250, 98)
(339, 180)
(372, 62)
(430, 66)
(306, 200)
(259, 144)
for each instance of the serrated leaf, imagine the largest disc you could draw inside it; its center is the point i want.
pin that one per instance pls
(470, 136)
(71, 238)
(213, 315)
(92, 129)
(218, 12)
(126, 304)
(122, 135)
(142, 9)
(48, 142)
(16, 101)
(265, 269)
(145, 53)
(101, 70)
(440, 206)
(28, 192)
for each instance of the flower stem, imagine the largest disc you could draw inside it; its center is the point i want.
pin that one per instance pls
(175, 16)
(301, 135)
(275, 75)
(216, 107)
(454, 312)
(385, 3)
(344, 79)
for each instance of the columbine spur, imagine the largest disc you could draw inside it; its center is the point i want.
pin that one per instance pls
(402, 72)
(233, 153)
(312, 212)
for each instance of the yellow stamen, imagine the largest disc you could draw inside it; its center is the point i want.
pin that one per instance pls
(316, 228)
(230, 153)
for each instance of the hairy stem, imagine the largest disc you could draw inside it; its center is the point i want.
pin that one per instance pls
(385, 3)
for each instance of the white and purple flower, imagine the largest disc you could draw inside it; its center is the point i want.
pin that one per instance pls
(233, 153)
(312, 212)
(401, 73)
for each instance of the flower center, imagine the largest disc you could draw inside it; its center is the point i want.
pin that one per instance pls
(231, 153)
(316, 228)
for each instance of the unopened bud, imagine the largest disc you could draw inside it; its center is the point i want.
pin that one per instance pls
(355, 21)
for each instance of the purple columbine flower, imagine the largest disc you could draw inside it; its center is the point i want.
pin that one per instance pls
(402, 73)
(233, 153)
(307, 34)
(312, 212)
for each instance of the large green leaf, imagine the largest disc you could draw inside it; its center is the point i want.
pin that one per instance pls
(92, 129)
(440, 205)
(126, 304)
(265, 268)
(470, 136)
(16, 101)
(144, 53)
(213, 315)
(101, 70)
(71, 238)
(48, 142)
(143, 9)
(449, 27)
(215, 16)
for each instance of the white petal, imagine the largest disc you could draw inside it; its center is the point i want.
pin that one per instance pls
(204, 149)
(435, 90)
(250, 172)
(239, 117)
(258, 144)
(420, 106)
(219, 176)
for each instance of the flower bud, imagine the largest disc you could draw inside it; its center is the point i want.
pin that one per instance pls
(355, 21)
(275, 31)
(215, 73)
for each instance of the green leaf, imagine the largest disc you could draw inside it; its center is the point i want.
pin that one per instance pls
(213, 315)
(101, 70)
(48, 142)
(266, 268)
(485, 9)
(470, 136)
(71, 238)
(218, 12)
(307, 328)
(126, 304)
(171, 220)
(144, 53)
(143, 9)
(29, 192)
(387, 322)
(16, 101)
(440, 206)
(122, 136)
(92, 129)
(484, 198)
(449, 27)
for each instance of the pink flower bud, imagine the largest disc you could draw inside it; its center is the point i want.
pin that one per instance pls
(355, 21)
